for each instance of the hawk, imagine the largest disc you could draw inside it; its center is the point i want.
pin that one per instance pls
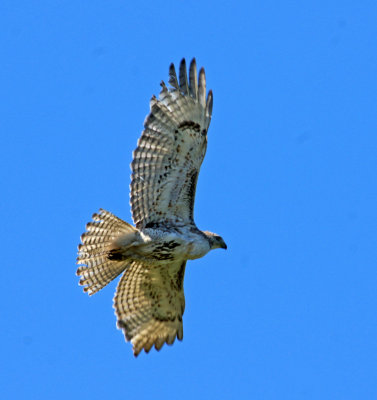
(149, 301)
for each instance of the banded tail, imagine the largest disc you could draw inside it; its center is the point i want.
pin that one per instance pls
(96, 266)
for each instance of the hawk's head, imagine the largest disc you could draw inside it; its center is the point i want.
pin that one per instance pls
(215, 241)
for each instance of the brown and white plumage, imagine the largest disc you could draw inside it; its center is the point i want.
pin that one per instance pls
(149, 304)
(170, 150)
(149, 301)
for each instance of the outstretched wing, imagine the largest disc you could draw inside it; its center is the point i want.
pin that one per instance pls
(171, 149)
(149, 304)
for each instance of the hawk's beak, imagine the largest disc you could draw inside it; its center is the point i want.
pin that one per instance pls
(223, 245)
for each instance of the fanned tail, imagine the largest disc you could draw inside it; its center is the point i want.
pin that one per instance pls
(96, 268)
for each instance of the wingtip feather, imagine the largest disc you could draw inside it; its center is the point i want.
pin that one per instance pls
(202, 87)
(193, 79)
(183, 84)
(173, 81)
(209, 105)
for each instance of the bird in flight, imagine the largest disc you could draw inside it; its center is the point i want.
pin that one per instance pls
(149, 300)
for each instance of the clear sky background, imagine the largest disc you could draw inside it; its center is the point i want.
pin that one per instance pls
(289, 311)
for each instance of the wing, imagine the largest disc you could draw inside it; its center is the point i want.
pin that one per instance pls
(149, 304)
(171, 149)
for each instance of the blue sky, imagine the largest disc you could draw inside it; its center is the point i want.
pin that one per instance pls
(289, 181)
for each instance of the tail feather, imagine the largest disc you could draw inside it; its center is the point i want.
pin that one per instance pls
(97, 277)
(95, 268)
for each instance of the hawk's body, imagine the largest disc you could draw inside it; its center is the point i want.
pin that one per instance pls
(149, 302)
